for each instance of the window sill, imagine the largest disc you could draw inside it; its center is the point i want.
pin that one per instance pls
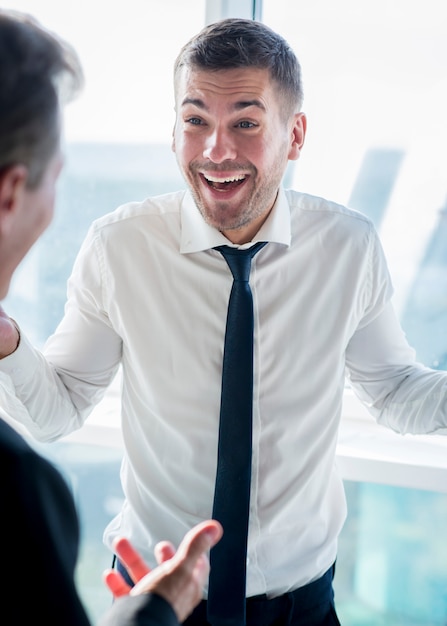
(366, 452)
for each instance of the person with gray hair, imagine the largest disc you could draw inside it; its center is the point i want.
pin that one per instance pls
(39, 526)
(150, 291)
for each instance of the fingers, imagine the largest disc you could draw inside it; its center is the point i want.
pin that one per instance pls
(130, 558)
(189, 562)
(201, 571)
(190, 557)
(196, 544)
(164, 550)
(199, 540)
(116, 583)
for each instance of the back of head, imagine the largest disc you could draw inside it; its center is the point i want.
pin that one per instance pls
(242, 43)
(37, 73)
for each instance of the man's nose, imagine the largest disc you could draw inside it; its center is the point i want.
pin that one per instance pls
(220, 147)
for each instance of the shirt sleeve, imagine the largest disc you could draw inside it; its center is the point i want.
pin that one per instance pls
(60, 389)
(399, 392)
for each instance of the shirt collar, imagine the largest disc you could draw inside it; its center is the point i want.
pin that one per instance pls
(197, 235)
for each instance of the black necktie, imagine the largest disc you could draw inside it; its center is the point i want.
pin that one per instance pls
(227, 585)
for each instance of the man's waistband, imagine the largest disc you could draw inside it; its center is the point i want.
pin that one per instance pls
(309, 604)
(307, 596)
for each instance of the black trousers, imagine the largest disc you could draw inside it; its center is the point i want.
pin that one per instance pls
(311, 605)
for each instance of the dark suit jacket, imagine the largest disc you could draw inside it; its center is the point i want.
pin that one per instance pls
(39, 541)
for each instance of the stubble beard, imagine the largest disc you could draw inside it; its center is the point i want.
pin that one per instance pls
(259, 203)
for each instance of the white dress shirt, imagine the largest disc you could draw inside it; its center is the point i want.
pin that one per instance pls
(148, 291)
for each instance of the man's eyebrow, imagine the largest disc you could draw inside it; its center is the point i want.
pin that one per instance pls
(194, 101)
(237, 106)
(245, 104)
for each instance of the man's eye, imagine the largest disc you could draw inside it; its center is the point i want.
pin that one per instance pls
(195, 121)
(246, 124)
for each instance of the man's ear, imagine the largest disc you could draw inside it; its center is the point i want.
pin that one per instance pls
(12, 186)
(298, 135)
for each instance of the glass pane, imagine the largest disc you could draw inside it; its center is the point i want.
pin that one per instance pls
(391, 566)
(376, 95)
(92, 472)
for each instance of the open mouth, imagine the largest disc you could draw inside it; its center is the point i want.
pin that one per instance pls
(226, 183)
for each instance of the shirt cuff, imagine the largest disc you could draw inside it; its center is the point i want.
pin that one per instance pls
(21, 364)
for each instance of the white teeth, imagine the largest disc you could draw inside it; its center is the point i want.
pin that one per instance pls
(232, 179)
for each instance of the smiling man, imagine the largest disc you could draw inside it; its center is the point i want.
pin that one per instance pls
(150, 290)
(225, 121)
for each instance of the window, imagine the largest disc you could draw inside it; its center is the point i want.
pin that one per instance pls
(375, 97)
(375, 93)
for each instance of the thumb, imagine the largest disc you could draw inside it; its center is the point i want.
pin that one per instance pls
(198, 540)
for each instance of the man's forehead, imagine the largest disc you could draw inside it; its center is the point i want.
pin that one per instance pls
(242, 85)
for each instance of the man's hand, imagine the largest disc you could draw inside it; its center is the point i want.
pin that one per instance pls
(180, 575)
(9, 335)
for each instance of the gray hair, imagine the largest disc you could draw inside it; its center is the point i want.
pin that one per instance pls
(38, 73)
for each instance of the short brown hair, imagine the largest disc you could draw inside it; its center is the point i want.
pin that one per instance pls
(233, 43)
